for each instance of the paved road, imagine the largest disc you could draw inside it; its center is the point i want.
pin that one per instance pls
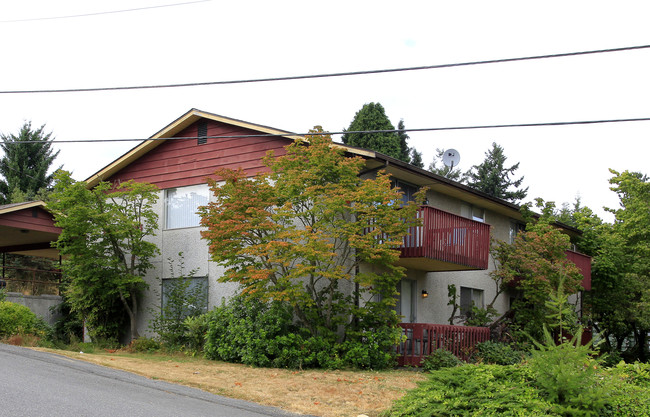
(35, 384)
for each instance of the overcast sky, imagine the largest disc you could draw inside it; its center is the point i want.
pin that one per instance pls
(219, 40)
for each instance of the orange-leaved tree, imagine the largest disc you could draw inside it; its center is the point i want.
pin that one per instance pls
(316, 235)
(536, 266)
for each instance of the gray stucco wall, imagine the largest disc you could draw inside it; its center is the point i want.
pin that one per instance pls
(41, 305)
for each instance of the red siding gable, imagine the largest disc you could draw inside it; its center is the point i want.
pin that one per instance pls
(182, 162)
(34, 218)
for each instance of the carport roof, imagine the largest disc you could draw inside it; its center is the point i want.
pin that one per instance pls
(28, 229)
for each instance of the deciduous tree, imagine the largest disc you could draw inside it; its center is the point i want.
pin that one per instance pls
(312, 234)
(105, 249)
(536, 266)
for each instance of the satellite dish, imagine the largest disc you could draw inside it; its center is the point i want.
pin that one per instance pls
(451, 158)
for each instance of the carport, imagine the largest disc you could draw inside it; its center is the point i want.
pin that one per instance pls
(28, 229)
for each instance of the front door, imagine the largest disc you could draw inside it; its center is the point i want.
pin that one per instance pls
(406, 302)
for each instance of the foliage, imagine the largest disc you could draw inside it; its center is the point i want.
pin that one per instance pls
(481, 317)
(566, 375)
(145, 344)
(452, 293)
(439, 359)
(493, 178)
(622, 268)
(105, 249)
(537, 267)
(439, 168)
(312, 235)
(68, 327)
(408, 154)
(25, 164)
(18, 319)
(247, 330)
(181, 300)
(494, 353)
(372, 116)
(493, 390)
(196, 330)
(474, 390)
(3, 295)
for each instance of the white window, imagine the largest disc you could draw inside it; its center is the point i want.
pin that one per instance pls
(515, 228)
(470, 297)
(182, 205)
(472, 212)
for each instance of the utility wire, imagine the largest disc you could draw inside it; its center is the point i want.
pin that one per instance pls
(336, 74)
(428, 129)
(34, 19)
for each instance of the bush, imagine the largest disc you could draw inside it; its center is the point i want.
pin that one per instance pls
(245, 331)
(255, 333)
(566, 374)
(18, 319)
(144, 344)
(628, 390)
(474, 390)
(496, 354)
(439, 359)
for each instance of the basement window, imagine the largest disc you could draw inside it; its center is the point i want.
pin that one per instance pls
(188, 295)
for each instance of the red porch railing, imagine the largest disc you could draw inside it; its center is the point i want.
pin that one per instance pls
(451, 239)
(423, 338)
(583, 262)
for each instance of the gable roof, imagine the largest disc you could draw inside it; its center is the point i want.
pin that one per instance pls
(374, 160)
(172, 129)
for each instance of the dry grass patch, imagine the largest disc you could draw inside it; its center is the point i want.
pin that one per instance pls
(315, 392)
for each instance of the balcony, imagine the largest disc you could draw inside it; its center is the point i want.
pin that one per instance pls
(446, 242)
(583, 262)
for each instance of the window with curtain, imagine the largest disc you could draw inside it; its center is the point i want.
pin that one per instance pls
(181, 205)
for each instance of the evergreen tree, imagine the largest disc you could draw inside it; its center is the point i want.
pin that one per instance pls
(493, 178)
(416, 158)
(405, 151)
(26, 162)
(372, 116)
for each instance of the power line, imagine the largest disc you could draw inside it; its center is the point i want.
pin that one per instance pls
(428, 129)
(34, 19)
(328, 75)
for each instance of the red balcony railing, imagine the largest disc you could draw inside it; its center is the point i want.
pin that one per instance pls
(583, 262)
(424, 338)
(446, 242)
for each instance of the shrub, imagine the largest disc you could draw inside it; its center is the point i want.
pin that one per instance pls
(263, 334)
(439, 359)
(474, 390)
(182, 297)
(566, 374)
(196, 329)
(18, 319)
(496, 354)
(628, 389)
(244, 330)
(144, 344)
